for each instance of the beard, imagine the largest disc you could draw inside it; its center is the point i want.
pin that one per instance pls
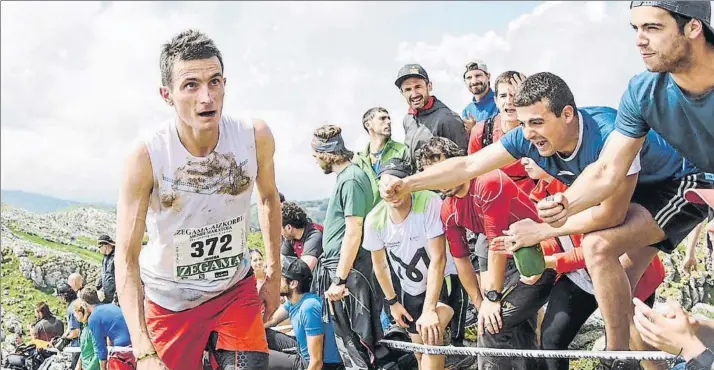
(478, 88)
(285, 293)
(326, 168)
(677, 59)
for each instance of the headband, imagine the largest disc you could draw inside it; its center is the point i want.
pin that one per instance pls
(334, 144)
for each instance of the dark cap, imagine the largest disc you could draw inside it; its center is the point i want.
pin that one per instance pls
(701, 10)
(64, 288)
(396, 167)
(296, 269)
(410, 70)
(105, 239)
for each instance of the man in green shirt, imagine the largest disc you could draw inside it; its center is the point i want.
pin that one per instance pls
(381, 147)
(345, 268)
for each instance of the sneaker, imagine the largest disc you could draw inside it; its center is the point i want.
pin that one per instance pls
(618, 365)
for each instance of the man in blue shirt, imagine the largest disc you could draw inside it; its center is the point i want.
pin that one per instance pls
(106, 321)
(483, 105)
(316, 339)
(674, 97)
(564, 140)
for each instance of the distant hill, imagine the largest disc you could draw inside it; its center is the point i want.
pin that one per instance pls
(315, 209)
(38, 203)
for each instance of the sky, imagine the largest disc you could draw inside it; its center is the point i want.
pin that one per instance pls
(80, 80)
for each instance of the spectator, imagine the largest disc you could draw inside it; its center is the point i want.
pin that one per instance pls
(381, 147)
(106, 322)
(316, 339)
(427, 115)
(76, 281)
(107, 284)
(68, 296)
(302, 238)
(258, 266)
(483, 104)
(88, 356)
(47, 326)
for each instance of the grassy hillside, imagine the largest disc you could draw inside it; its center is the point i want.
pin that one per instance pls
(93, 256)
(20, 296)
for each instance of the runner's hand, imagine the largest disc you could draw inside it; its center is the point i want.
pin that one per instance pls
(524, 233)
(398, 311)
(428, 327)
(336, 292)
(489, 317)
(392, 188)
(151, 363)
(469, 123)
(553, 210)
(270, 295)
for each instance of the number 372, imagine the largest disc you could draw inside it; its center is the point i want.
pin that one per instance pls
(211, 243)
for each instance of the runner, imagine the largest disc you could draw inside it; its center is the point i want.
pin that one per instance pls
(411, 234)
(381, 147)
(572, 301)
(302, 238)
(488, 204)
(190, 185)
(674, 97)
(493, 128)
(344, 273)
(563, 140)
(483, 105)
(427, 115)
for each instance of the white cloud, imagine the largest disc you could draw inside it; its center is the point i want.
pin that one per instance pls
(80, 80)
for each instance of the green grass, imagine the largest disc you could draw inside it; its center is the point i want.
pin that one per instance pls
(85, 240)
(93, 256)
(24, 294)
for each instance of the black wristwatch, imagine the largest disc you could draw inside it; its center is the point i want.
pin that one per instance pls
(702, 362)
(494, 296)
(338, 281)
(392, 301)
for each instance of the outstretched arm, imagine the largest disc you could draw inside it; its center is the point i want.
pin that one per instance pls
(269, 216)
(458, 170)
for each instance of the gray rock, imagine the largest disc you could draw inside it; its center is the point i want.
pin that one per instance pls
(704, 310)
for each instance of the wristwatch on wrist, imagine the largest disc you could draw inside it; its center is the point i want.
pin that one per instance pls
(338, 281)
(392, 301)
(702, 362)
(494, 296)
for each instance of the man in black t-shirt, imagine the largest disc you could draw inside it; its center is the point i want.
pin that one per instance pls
(301, 237)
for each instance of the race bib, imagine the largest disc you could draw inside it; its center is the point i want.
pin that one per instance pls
(212, 252)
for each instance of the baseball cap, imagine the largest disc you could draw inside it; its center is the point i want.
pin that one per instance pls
(396, 167)
(701, 10)
(476, 64)
(105, 239)
(64, 288)
(410, 70)
(297, 269)
(700, 196)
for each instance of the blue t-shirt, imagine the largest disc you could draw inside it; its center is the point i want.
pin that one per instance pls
(107, 321)
(658, 160)
(483, 109)
(72, 323)
(306, 318)
(654, 100)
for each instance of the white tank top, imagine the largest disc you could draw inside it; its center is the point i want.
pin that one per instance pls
(199, 216)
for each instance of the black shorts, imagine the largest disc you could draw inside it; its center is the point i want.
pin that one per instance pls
(415, 304)
(674, 215)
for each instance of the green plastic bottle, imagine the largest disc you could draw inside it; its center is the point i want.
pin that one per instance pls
(530, 260)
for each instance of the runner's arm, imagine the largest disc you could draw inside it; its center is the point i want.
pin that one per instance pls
(435, 273)
(610, 213)
(458, 170)
(269, 213)
(132, 207)
(602, 178)
(381, 270)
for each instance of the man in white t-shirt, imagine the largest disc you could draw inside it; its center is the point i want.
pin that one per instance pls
(409, 231)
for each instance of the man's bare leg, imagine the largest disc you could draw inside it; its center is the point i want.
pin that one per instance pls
(602, 251)
(433, 362)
